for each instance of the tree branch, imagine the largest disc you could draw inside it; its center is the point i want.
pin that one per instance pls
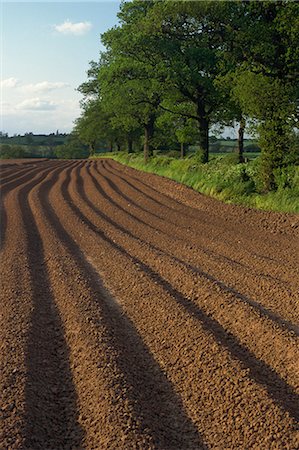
(190, 116)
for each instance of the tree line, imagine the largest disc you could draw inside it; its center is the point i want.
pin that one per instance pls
(182, 67)
(30, 145)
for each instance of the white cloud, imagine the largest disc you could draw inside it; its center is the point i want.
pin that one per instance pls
(77, 29)
(40, 107)
(36, 104)
(9, 83)
(44, 86)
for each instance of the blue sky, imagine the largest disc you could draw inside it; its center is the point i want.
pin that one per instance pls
(45, 50)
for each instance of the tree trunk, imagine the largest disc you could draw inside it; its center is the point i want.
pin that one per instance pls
(275, 143)
(204, 138)
(241, 140)
(118, 147)
(148, 136)
(111, 146)
(92, 149)
(130, 145)
(203, 123)
(183, 150)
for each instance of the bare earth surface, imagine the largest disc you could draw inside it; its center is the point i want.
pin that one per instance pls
(139, 314)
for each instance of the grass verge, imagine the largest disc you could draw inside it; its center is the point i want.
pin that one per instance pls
(222, 178)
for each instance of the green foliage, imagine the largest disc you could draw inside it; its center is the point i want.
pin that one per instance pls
(72, 149)
(94, 125)
(174, 69)
(265, 81)
(8, 151)
(30, 145)
(35, 140)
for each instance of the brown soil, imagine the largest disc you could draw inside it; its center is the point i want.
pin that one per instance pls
(138, 314)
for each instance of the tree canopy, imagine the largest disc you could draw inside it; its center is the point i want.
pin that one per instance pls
(193, 65)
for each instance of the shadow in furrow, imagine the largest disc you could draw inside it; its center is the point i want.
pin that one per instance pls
(125, 197)
(93, 207)
(115, 188)
(13, 185)
(167, 197)
(178, 209)
(26, 173)
(27, 176)
(12, 165)
(50, 409)
(113, 202)
(282, 394)
(158, 410)
(161, 216)
(20, 170)
(12, 175)
(187, 211)
(5, 169)
(277, 261)
(285, 324)
(140, 191)
(139, 207)
(3, 223)
(200, 218)
(208, 252)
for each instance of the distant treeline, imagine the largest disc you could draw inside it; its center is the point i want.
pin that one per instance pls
(62, 145)
(32, 142)
(31, 145)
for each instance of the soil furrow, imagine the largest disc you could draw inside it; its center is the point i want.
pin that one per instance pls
(5, 169)
(50, 398)
(259, 336)
(16, 308)
(207, 237)
(225, 307)
(219, 233)
(15, 181)
(200, 217)
(12, 174)
(137, 385)
(213, 267)
(28, 178)
(18, 170)
(222, 286)
(185, 196)
(135, 317)
(258, 370)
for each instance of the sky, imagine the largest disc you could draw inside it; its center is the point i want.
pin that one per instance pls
(45, 52)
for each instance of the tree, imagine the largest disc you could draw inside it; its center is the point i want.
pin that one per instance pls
(72, 149)
(261, 58)
(129, 83)
(189, 48)
(93, 125)
(270, 102)
(205, 62)
(29, 138)
(183, 130)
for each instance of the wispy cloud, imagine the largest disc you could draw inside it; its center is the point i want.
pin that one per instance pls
(9, 83)
(43, 106)
(77, 29)
(41, 87)
(44, 86)
(36, 104)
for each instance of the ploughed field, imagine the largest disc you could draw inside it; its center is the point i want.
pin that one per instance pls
(139, 314)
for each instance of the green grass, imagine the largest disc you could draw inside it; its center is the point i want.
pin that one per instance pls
(223, 178)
